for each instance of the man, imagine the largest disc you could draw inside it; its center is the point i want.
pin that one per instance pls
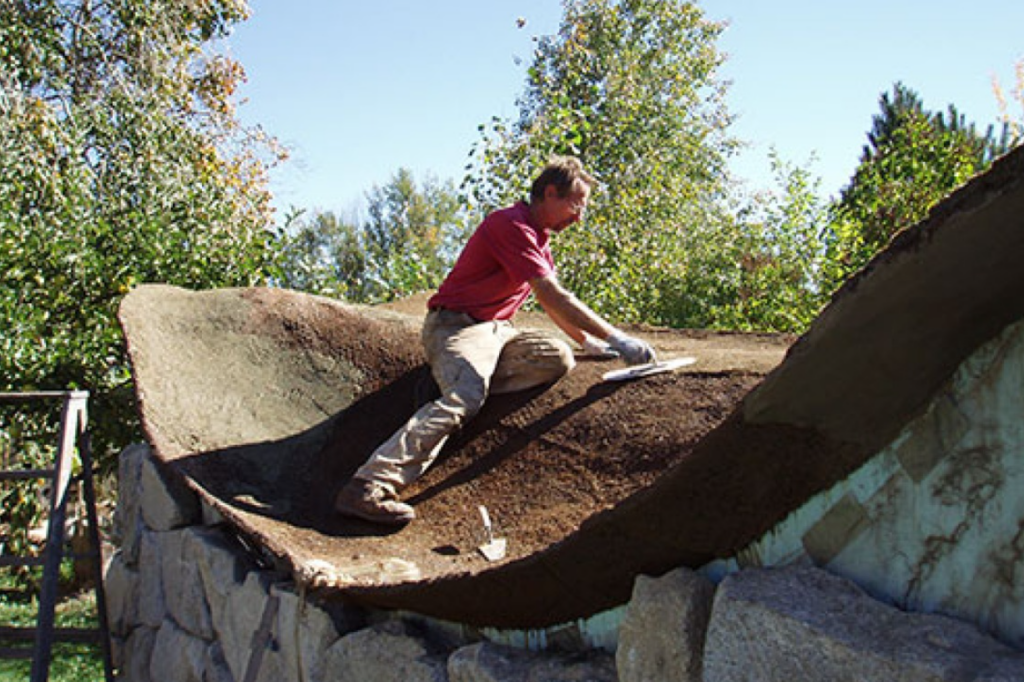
(473, 348)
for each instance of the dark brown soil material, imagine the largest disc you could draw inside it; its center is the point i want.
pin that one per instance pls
(544, 462)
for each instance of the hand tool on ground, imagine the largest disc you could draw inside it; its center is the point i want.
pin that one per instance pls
(494, 548)
(637, 371)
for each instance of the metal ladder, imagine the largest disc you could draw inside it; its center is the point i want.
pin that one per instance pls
(73, 436)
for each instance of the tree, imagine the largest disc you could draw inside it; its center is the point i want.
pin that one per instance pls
(776, 244)
(913, 159)
(630, 87)
(323, 254)
(406, 244)
(122, 162)
(410, 235)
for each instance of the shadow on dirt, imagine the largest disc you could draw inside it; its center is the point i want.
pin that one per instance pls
(295, 480)
(496, 410)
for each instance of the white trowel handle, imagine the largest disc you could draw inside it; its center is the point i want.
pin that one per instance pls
(487, 522)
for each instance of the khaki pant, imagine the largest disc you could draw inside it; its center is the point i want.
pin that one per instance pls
(469, 361)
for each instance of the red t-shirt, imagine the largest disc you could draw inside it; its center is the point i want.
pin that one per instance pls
(490, 280)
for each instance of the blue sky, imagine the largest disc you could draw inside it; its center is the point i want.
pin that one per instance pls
(358, 90)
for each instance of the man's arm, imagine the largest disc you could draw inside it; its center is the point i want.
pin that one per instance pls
(567, 311)
(575, 318)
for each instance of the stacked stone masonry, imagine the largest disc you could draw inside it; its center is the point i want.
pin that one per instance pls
(189, 603)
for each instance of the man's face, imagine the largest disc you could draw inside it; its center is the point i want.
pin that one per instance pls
(561, 212)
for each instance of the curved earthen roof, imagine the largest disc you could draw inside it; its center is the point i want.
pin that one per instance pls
(267, 400)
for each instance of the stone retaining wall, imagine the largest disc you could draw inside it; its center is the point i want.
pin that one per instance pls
(188, 602)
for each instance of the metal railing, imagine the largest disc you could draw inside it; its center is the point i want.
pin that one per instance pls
(73, 437)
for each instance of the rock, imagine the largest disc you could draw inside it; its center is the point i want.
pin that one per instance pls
(177, 656)
(138, 650)
(216, 669)
(486, 662)
(117, 651)
(165, 501)
(127, 519)
(802, 623)
(182, 582)
(661, 638)
(222, 563)
(151, 605)
(211, 515)
(384, 653)
(239, 619)
(121, 588)
(304, 633)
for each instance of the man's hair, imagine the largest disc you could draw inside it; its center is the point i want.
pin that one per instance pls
(563, 172)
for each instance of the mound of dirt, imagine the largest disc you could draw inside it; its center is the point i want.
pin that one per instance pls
(268, 400)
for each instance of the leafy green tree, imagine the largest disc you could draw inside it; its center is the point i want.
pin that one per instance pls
(406, 244)
(630, 87)
(776, 244)
(322, 254)
(409, 235)
(122, 162)
(914, 158)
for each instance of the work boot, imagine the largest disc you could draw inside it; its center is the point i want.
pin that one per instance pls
(372, 502)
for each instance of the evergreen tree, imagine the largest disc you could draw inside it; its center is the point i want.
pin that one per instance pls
(913, 159)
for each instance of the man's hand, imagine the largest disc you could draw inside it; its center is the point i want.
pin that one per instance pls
(633, 350)
(596, 348)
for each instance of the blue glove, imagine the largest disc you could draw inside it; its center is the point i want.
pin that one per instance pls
(633, 350)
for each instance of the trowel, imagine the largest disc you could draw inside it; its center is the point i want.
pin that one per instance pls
(638, 371)
(494, 548)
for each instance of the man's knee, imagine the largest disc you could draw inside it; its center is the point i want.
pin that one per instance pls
(552, 360)
(566, 360)
(533, 358)
(545, 353)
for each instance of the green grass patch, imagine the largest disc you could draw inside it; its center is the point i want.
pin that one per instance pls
(70, 662)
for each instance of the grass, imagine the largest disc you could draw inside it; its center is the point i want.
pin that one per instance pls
(70, 662)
